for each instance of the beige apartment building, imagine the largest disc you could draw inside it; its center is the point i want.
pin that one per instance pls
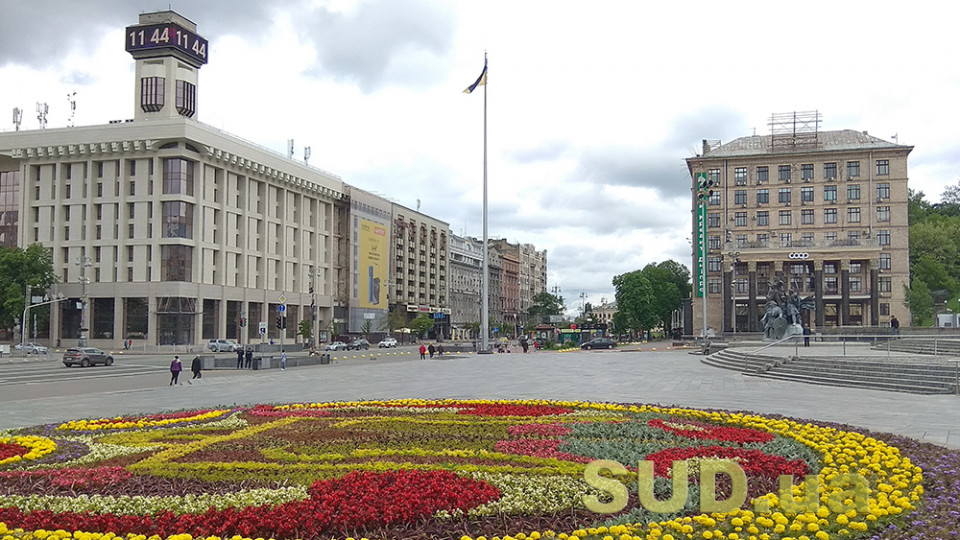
(826, 212)
(172, 232)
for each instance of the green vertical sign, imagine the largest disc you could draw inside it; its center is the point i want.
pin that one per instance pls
(701, 235)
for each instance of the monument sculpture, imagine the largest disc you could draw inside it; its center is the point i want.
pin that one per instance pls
(782, 317)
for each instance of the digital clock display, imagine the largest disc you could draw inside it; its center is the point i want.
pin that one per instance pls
(167, 36)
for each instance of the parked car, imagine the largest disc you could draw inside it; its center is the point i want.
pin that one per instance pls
(86, 356)
(336, 346)
(386, 343)
(599, 343)
(30, 348)
(222, 345)
(358, 344)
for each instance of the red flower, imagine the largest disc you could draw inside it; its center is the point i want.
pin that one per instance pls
(699, 430)
(8, 450)
(753, 462)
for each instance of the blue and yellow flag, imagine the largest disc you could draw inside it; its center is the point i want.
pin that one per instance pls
(481, 80)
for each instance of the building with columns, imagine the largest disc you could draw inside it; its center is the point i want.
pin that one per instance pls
(172, 232)
(825, 212)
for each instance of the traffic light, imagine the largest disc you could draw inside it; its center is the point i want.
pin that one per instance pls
(279, 322)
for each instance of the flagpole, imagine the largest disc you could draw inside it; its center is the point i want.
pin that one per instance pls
(485, 310)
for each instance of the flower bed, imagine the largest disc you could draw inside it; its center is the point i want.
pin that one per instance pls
(453, 469)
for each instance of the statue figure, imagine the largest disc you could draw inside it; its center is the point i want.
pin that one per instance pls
(782, 316)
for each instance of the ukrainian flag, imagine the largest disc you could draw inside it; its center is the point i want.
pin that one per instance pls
(481, 80)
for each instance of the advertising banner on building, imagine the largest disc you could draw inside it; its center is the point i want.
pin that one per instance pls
(372, 264)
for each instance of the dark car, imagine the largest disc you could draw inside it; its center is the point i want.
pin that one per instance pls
(358, 344)
(86, 356)
(599, 343)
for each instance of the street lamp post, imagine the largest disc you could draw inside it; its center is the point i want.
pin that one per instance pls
(313, 305)
(83, 262)
(704, 191)
(23, 329)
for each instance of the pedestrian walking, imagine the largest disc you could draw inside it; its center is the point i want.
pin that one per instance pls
(423, 351)
(524, 345)
(195, 368)
(239, 357)
(806, 336)
(175, 369)
(432, 350)
(283, 360)
(895, 324)
(440, 349)
(249, 358)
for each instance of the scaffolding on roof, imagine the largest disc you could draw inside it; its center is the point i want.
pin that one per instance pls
(790, 131)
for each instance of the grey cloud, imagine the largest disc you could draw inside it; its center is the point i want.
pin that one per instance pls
(712, 123)
(547, 151)
(79, 78)
(662, 171)
(363, 46)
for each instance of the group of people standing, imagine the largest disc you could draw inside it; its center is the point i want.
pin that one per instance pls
(438, 350)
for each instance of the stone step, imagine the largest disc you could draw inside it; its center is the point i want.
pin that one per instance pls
(941, 379)
(852, 383)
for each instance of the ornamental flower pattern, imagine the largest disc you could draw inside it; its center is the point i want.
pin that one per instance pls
(451, 469)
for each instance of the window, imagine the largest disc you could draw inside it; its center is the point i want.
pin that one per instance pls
(763, 174)
(783, 195)
(883, 191)
(714, 264)
(131, 210)
(741, 240)
(785, 217)
(762, 238)
(806, 194)
(786, 239)
(856, 284)
(883, 213)
(714, 199)
(806, 239)
(783, 173)
(133, 188)
(806, 171)
(853, 192)
(133, 167)
(740, 196)
(713, 242)
(830, 237)
(763, 218)
(830, 215)
(713, 286)
(99, 232)
(853, 169)
(830, 193)
(152, 93)
(740, 219)
(806, 217)
(853, 215)
(884, 309)
(856, 268)
(186, 99)
(884, 284)
(830, 171)
(713, 220)
(830, 285)
(885, 260)
(883, 167)
(713, 175)
(177, 176)
(176, 263)
(740, 176)
(129, 253)
(763, 196)
(883, 238)
(177, 220)
(854, 237)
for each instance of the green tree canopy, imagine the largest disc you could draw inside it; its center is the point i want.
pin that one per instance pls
(421, 324)
(920, 302)
(544, 305)
(635, 299)
(21, 269)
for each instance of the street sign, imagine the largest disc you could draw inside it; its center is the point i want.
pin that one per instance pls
(263, 328)
(282, 308)
(283, 299)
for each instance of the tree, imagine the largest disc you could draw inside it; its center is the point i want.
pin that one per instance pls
(934, 275)
(920, 301)
(305, 330)
(396, 320)
(544, 305)
(366, 327)
(667, 295)
(635, 299)
(679, 276)
(21, 269)
(421, 324)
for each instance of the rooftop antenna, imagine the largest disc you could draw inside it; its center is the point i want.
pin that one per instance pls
(289, 148)
(17, 117)
(72, 100)
(895, 138)
(418, 205)
(306, 155)
(42, 110)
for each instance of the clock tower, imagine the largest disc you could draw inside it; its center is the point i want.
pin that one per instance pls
(169, 54)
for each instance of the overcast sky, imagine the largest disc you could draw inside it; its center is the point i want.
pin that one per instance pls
(592, 105)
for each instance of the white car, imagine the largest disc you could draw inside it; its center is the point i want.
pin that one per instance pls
(222, 345)
(387, 342)
(30, 348)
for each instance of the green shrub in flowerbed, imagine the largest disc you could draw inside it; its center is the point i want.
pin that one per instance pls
(444, 469)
